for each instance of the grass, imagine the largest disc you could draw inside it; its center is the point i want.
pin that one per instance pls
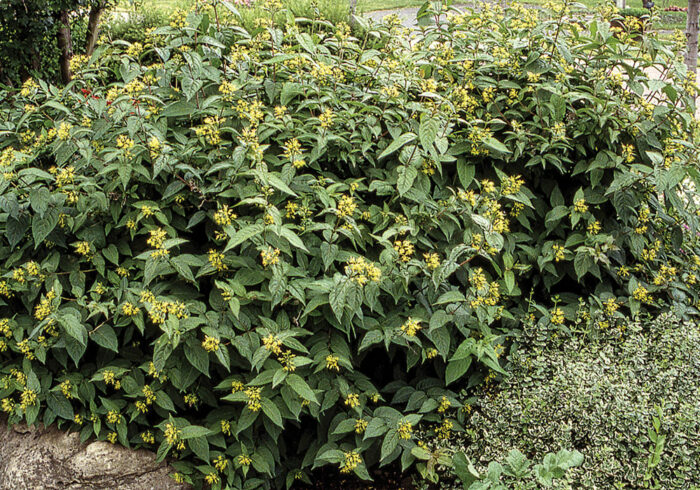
(668, 20)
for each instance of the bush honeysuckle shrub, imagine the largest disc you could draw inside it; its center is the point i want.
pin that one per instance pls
(628, 399)
(260, 252)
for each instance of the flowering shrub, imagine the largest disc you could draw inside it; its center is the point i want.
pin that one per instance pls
(274, 250)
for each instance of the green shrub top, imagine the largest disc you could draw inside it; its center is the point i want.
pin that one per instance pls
(265, 251)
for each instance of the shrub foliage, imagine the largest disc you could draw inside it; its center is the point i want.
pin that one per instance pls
(276, 249)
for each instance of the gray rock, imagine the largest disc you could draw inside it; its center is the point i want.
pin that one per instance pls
(47, 458)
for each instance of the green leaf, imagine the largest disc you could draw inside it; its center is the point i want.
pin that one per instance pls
(391, 441)
(302, 388)
(338, 296)
(465, 172)
(74, 328)
(198, 357)
(60, 405)
(105, 336)
(407, 175)
(495, 145)
(427, 132)
(200, 447)
(456, 369)
(192, 431)
(272, 412)
(245, 233)
(293, 238)
(397, 143)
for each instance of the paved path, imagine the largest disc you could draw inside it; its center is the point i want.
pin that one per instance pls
(407, 15)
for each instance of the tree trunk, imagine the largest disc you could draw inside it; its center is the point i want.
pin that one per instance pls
(93, 28)
(65, 46)
(353, 11)
(691, 34)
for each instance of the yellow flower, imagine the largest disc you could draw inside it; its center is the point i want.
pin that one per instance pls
(444, 404)
(559, 252)
(244, 460)
(326, 119)
(405, 430)
(253, 402)
(352, 400)
(432, 261)
(210, 344)
(641, 294)
(580, 206)
(556, 316)
(224, 216)
(82, 248)
(405, 249)
(332, 362)
(351, 460)
(172, 433)
(66, 388)
(216, 259)
(411, 327)
(220, 463)
(360, 426)
(270, 256)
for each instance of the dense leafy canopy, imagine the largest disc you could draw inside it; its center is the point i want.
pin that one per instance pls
(266, 251)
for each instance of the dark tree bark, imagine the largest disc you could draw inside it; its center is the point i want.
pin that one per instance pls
(691, 33)
(353, 11)
(93, 28)
(65, 45)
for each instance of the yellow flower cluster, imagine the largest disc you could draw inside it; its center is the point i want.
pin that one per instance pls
(129, 309)
(580, 206)
(326, 119)
(227, 89)
(224, 216)
(253, 395)
(29, 88)
(178, 19)
(477, 136)
(405, 250)
(512, 185)
(556, 316)
(147, 437)
(44, 308)
(210, 344)
(346, 206)
(252, 111)
(210, 130)
(352, 400)
(405, 430)
(559, 252)
(411, 327)
(445, 404)
(432, 260)
(216, 259)
(351, 460)
(244, 460)
(332, 362)
(125, 144)
(270, 256)
(172, 433)
(360, 426)
(159, 310)
(360, 271)
(642, 294)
